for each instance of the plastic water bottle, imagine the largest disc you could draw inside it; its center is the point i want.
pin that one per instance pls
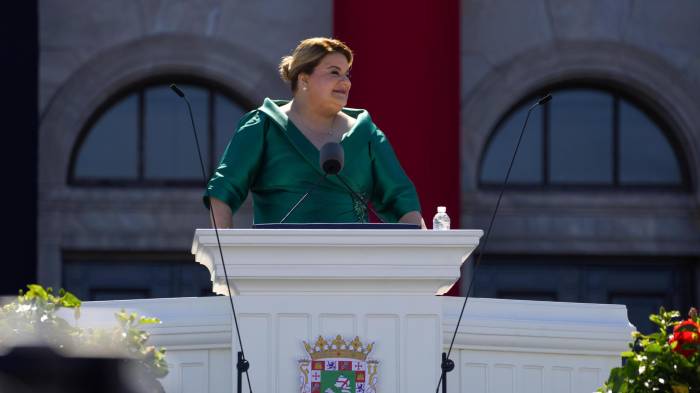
(441, 221)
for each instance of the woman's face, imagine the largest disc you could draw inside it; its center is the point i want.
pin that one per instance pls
(328, 86)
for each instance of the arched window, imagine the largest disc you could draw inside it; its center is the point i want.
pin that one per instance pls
(586, 137)
(143, 136)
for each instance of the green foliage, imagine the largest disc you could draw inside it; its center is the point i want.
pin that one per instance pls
(33, 316)
(135, 338)
(653, 364)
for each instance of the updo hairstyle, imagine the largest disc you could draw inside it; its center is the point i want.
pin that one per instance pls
(306, 57)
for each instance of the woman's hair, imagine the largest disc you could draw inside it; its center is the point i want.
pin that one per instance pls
(307, 55)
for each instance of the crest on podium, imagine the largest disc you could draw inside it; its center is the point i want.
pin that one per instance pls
(338, 366)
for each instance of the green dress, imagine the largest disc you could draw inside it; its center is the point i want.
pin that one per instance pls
(269, 156)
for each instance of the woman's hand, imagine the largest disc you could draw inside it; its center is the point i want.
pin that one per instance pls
(413, 217)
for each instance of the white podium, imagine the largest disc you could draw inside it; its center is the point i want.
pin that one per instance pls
(292, 285)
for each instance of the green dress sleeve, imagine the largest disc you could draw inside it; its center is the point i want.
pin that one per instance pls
(240, 162)
(394, 194)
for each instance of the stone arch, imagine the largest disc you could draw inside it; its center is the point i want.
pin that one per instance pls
(106, 74)
(70, 218)
(654, 82)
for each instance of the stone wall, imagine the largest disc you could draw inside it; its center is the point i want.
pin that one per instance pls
(648, 49)
(89, 51)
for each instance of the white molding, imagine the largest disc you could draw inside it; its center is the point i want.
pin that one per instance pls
(488, 324)
(335, 261)
(537, 327)
(186, 323)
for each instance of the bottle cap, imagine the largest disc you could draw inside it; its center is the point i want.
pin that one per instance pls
(442, 209)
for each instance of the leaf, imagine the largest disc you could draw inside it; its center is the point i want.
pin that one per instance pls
(653, 348)
(38, 290)
(53, 299)
(687, 328)
(122, 316)
(70, 300)
(149, 321)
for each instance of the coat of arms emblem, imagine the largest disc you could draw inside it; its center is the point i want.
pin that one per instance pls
(338, 366)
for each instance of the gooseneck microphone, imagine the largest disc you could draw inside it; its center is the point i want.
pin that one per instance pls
(542, 101)
(313, 187)
(447, 364)
(242, 365)
(332, 158)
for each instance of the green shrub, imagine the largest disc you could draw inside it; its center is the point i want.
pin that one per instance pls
(33, 316)
(667, 360)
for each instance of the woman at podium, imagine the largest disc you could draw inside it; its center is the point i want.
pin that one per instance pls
(274, 152)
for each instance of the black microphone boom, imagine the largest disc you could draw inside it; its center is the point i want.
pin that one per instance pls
(243, 364)
(313, 187)
(332, 159)
(446, 357)
(177, 90)
(544, 99)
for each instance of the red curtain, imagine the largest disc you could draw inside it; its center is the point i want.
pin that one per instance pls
(406, 74)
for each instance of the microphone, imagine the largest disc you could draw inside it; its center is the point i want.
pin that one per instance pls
(544, 99)
(447, 364)
(177, 90)
(243, 364)
(332, 158)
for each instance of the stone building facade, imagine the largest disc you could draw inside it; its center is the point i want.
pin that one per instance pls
(585, 244)
(639, 246)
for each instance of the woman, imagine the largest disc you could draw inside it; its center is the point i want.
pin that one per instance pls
(275, 150)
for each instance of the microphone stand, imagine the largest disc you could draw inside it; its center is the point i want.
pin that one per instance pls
(242, 365)
(358, 196)
(447, 364)
(313, 187)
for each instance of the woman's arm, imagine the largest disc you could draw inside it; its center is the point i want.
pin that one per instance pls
(394, 196)
(222, 213)
(413, 217)
(229, 185)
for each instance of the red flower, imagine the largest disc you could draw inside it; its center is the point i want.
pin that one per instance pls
(686, 338)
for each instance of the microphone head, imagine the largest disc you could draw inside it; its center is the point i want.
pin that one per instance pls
(177, 90)
(331, 158)
(544, 99)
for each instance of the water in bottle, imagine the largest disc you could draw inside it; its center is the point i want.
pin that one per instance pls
(441, 221)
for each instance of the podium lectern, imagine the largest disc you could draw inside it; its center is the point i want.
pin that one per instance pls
(293, 285)
(379, 285)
